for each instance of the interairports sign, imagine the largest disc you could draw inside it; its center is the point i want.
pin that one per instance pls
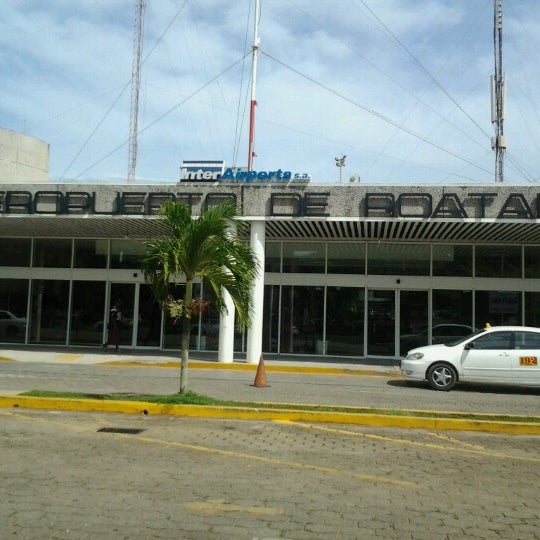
(215, 171)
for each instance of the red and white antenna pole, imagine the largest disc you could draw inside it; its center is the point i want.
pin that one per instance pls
(255, 54)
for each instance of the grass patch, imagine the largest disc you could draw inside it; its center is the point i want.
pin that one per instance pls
(192, 398)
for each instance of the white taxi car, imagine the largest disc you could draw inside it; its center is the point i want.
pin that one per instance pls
(498, 354)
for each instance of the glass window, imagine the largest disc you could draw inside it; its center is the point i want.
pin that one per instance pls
(398, 259)
(452, 307)
(498, 261)
(149, 320)
(493, 341)
(532, 309)
(301, 319)
(91, 253)
(49, 309)
(303, 257)
(15, 251)
(527, 340)
(87, 307)
(127, 253)
(52, 253)
(413, 320)
(270, 318)
(346, 258)
(123, 298)
(497, 308)
(345, 321)
(272, 261)
(381, 320)
(13, 301)
(532, 261)
(452, 260)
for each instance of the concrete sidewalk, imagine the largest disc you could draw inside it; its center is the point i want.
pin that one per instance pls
(197, 359)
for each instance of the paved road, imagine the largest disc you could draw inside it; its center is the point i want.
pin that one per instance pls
(387, 391)
(205, 479)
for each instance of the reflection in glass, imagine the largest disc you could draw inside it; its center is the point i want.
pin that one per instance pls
(149, 319)
(123, 294)
(452, 307)
(52, 253)
(13, 301)
(413, 320)
(532, 262)
(49, 310)
(398, 259)
(91, 253)
(303, 257)
(498, 261)
(270, 318)
(345, 321)
(381, 323)
(452, 260)
(87, 313)
(532, 309)
(302, 319)
(127, 253)
(346, 258)
(272, 257)
(15, 252)
(497, 308)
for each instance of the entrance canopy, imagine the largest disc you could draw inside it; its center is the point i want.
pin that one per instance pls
(508, 214)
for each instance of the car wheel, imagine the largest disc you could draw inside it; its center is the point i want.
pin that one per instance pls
(441, 377)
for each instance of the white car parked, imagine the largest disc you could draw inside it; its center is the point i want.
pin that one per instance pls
(10, 324)
(498, 354)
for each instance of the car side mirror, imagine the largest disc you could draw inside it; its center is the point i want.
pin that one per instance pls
(469, 346)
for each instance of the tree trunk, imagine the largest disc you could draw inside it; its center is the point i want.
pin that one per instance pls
(186, 334)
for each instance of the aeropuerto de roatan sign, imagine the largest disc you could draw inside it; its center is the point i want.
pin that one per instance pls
(304, 200)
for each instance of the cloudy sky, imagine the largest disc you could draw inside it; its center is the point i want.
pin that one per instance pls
(401, 87)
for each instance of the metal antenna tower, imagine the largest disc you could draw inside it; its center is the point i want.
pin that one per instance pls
(253, 103)
(498, 95)
(135, 85)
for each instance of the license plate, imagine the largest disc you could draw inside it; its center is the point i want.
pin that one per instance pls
(528, 361)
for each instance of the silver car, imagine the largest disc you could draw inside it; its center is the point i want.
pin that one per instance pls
(499, 354)
(11, 325)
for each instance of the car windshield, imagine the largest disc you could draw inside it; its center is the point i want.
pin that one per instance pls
(465, 338)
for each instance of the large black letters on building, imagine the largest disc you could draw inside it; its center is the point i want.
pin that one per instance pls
(416, 205)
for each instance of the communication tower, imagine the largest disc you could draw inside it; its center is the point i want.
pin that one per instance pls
(135, 85)
(498, 95)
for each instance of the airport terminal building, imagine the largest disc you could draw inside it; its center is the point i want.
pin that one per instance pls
(350, 270)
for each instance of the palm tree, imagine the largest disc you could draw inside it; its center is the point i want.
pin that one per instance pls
(209, 248)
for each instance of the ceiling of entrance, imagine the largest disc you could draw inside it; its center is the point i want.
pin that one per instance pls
(282, 229)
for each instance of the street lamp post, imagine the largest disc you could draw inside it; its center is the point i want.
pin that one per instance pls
(340, 163)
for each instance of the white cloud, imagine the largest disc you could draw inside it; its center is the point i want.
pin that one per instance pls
(328, 76)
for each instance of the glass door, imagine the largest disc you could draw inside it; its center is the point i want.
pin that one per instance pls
(123, 294)
(149, 319)
(413, 320)
(381, 322)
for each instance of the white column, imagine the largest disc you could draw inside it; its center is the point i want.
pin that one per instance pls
(226, 331)
(254, 338)
(226, 326)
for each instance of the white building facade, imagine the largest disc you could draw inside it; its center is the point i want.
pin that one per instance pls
(348, 270)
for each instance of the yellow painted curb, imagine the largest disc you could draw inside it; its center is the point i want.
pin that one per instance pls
(248, 413)
(6, 359)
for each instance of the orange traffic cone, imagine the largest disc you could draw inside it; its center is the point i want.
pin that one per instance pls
(260, 376)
